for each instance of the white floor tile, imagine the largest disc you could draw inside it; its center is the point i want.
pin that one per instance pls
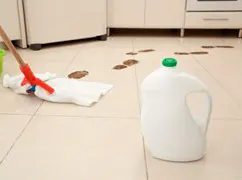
(99, 59)
(10, 128)
(66, 141)
(77, 148)
(222, 161)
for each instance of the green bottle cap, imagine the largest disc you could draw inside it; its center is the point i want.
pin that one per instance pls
(2, 53)
(169, 62)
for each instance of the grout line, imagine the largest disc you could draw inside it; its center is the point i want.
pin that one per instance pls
(107, 117)
(30, 120)
(15, 114)
(226, 119)
(201, 65)
(145, 159)
(89, 117)
(234, 99)
(19, 136)
(143, 140)
(139, 103)
(74, 57)
(76, 54)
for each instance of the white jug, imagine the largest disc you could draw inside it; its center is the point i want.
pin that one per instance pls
(170, 131)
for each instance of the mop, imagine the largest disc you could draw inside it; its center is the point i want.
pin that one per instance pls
(25, 69)
(47, 87)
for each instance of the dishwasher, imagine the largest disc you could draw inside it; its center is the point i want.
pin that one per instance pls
(49, 21)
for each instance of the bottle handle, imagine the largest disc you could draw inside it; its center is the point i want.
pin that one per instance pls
(196, 86)
(204, 119)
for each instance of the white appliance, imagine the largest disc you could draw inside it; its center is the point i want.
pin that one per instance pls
(12, 20)
(50, 21)
(214, 5)
(169, 128)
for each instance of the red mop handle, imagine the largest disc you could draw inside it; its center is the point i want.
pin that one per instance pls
(29, 75)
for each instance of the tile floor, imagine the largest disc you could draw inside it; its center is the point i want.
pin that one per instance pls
(46, 141)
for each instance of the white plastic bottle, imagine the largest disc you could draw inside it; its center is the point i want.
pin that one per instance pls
(170, 131)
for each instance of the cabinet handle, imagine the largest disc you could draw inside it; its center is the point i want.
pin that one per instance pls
(215, 19)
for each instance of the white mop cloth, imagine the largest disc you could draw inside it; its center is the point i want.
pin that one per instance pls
(14, 82)
(67, 90)
(73, 91)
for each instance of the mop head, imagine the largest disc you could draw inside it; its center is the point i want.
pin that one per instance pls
(15, 82)
(66, 90)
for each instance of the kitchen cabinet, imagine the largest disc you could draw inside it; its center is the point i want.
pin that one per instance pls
(126, 13)
(213, 20)
(165, 13)
(146, 13)
(12, 20)
(49, 21)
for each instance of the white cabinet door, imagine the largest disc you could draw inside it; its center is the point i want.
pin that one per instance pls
(9, 18)
(165, 13)
(61, 20)
(126, 13)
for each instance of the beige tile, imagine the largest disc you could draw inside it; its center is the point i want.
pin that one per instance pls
(225, 66)
(197, 42)
(232, 41)
(223, 160)
(10, 128)
(224, 106)
(77, 148)
(53, 58)
(99, 59)
(13, 103)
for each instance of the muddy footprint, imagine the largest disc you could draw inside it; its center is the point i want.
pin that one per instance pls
(130, 62)
(119, 67)
(131, 53)
(146, 50)
(78, 74)
(208, 47)
(181, 53)
(224, 46)
(199, 53)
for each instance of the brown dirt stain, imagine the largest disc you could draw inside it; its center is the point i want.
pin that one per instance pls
(119, 67)
(131, 53)
(146, 50)
(208, 47)
(224, 46)
(199, 53)
(181, 53)
(130, 62)
(78, 74)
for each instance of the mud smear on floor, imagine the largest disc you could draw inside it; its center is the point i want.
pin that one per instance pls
(199, 52)
(208, 47)
(120, 67)
(146, 50)
(130, 62)
(224, 46)
(78, 74)
(181, 53)
(131, 53)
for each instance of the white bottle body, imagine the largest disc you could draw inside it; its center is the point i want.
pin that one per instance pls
(169, 130)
